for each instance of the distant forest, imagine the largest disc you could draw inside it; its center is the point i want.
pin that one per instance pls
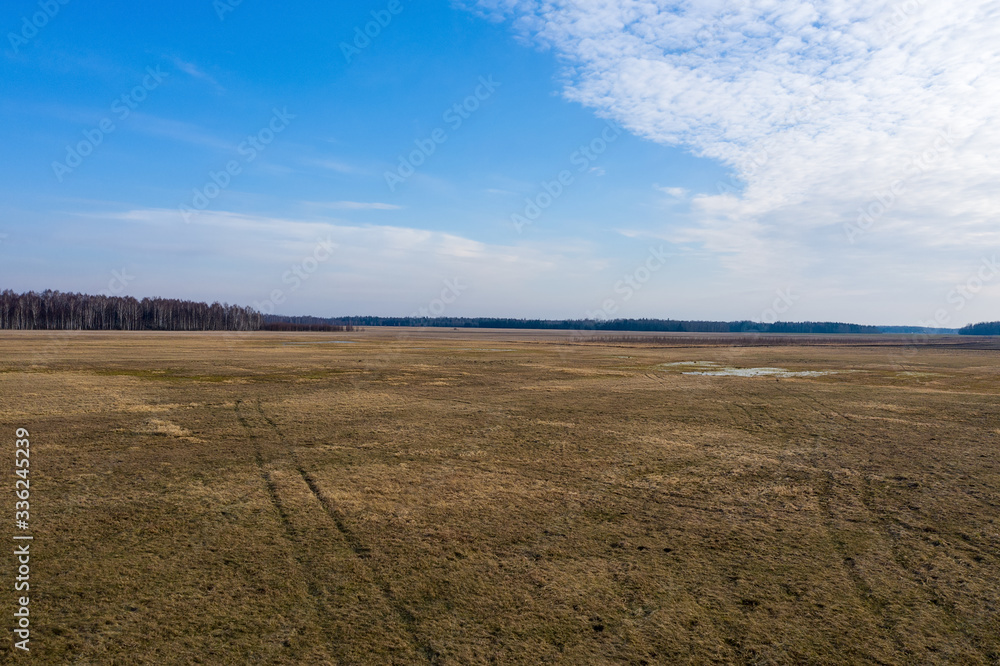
(655, 325)
(986, 328)
(53, 310)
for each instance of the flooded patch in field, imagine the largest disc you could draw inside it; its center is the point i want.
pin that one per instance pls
(712, 369)
(761, 372)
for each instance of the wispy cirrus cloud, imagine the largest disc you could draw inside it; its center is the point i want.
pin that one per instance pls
(176, 130)
(353, 205)
(196, 72)
(336, 165)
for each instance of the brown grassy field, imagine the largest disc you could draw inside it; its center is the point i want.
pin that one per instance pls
(472, 497)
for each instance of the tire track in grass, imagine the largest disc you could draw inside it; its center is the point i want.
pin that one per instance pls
(406, 617)
(730, 634)
(740, 423)
(825, 492)
(951, 619)
(763, 426)
(825, 495)
(820, 406)
(647, 506)
(338, 592)
(272, 490)
(291, 535)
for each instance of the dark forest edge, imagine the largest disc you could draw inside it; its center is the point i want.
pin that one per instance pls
(54, 310)
(986, 328)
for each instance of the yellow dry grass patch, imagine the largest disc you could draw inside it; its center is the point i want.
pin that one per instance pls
(160, 427)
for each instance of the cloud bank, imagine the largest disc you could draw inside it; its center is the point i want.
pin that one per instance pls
(333, 267)
(863, 135)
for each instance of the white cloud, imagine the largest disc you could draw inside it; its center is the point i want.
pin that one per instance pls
(374, 269)
(675, 192)
(196, 72)
(819, 110)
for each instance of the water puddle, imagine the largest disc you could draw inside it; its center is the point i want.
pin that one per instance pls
(712, 369)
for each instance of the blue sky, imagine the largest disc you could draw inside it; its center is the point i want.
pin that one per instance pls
(724, 193)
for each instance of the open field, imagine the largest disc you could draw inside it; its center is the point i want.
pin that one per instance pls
(452, 497)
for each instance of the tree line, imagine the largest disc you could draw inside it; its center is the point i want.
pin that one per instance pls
(985, 328)
(654, 325)
(54, 310)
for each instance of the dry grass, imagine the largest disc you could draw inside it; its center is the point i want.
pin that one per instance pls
(419, 497)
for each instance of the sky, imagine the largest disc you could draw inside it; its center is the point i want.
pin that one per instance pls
(763, 160)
